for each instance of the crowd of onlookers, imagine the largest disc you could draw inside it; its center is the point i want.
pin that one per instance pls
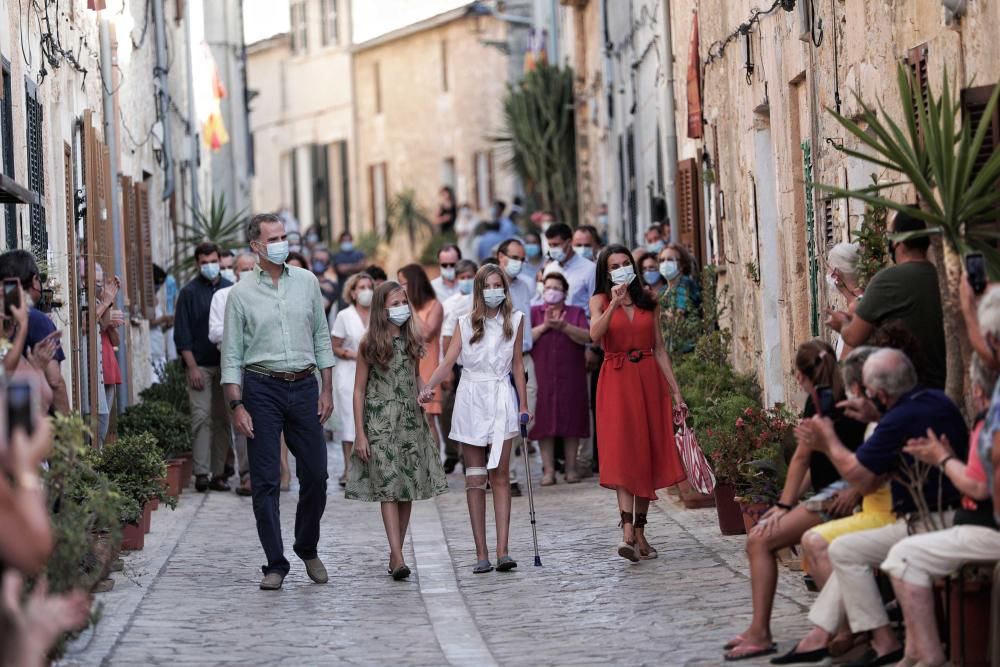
(887, 479)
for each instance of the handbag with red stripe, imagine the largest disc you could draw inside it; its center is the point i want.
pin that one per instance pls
(699, 472)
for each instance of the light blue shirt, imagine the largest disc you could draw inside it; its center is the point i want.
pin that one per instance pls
(581, 274)
(520, 299)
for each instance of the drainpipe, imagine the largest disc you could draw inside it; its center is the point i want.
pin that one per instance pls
(669, 121)
(161, 96)
(111, 140)
(192, 118)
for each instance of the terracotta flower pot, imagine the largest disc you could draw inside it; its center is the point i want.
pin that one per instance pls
(187, 468)
(147, 517)
(154, 504)
(752, 512)
(175, 471)
(695, 500)
(104, 552)
(133, 537)
(730, 516)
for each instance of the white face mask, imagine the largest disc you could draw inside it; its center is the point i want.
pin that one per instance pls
(558, 254)
(210, 271)
(623, 275)
(246, 274)
(398, 315)
(669, 269)
(514, 267)
(465, 285)
(831, 281)
(494, 297)
(448, 274)
(277, 252)
(228, 274)
(365, 297)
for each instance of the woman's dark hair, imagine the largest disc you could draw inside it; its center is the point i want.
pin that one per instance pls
(376, 272)
(555, 275)
(603, 284)
(418, 287)
(894, 334)
(346, 234)
(451, 194)
(297, 257)
(685, 262)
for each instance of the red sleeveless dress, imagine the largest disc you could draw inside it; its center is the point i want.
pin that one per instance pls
(635, 431)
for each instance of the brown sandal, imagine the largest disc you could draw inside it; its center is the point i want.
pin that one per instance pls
(627, 549)
(646, 552)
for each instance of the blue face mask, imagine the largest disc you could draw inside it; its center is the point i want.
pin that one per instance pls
(319, 267)
(558, 254)
(651, 277)
(532, 250)
(277, 252)
(210, 271)
(347, 246)
(465, 285)
(654, 247)
(584, 251)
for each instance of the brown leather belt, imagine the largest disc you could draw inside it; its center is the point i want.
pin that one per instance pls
(286, 376)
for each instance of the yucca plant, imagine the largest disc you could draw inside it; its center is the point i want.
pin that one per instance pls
(955, 202)
(936, 151)
(215, 225)
(406, 215)
(540, 138)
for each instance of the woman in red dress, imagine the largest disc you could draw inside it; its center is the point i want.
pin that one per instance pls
(635, 395)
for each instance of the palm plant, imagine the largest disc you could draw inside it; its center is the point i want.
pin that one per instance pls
(938, 152)
(540, 137)
(215, 225)
(406, 215)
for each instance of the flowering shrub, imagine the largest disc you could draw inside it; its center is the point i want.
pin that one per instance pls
(749, 454)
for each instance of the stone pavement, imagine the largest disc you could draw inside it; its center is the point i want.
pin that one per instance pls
(191, 597)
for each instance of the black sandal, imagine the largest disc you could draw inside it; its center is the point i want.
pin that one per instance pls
(640, 523)
(627, 549)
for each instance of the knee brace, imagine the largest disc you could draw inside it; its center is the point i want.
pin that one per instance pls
(475, 479)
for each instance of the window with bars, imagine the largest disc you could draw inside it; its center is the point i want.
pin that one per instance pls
(7, 148)
(36, 171)
(299, 26)
(829, 222)
(331, 36)
(916, 60)
(689, 220)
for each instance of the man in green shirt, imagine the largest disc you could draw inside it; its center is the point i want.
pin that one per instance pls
(275, 339)
(909, 292)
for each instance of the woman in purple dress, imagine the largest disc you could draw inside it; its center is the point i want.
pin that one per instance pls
(560, 334)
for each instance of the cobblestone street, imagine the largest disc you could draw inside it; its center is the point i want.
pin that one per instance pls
(191, 596)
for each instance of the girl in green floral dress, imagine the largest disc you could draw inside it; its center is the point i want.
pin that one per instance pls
(395, 460)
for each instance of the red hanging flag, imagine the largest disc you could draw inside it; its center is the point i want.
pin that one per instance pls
(695, 129)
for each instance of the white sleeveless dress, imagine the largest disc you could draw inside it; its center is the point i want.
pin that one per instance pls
(486, 409)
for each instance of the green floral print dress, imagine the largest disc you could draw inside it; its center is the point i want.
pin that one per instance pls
(404, 463)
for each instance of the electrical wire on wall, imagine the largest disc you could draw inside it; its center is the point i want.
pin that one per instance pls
(717, 48)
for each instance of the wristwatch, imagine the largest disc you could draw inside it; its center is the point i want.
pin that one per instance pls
(234, 404)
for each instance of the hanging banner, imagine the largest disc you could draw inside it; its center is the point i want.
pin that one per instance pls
(695, 128)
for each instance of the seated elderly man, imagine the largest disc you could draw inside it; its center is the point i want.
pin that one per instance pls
(915, 561)
(903, 411)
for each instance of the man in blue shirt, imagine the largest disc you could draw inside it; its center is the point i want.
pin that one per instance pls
(209, 420)
(903, 411)
(21, 264)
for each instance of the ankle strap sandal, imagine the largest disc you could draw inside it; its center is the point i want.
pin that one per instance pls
(640, 520)
(626, 518)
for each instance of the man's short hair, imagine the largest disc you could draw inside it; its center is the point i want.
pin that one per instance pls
(595, 236)
(206, 248)
(502, 248)
(989, 312)
(376, 272)
(904, 222)
(854, 364)
(226, 253)
(19, 264)
(465, 265)
(559, 230)
(890, 371)
(449, 246)
(253, 227)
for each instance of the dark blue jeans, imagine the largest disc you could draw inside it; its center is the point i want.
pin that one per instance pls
(276, 406)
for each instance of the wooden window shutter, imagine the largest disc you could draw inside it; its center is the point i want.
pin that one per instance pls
(144, 244)
(829, 218)
(72, 273)
(131, 247)
(36, 172)
(916, 59)
(974, 101)
(688, 207)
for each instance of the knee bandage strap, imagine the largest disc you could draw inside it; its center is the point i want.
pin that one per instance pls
(475, 478)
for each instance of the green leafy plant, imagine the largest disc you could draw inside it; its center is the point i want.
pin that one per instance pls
(405, 215)
(429, 255)
(748, 455)
(873, 251)
(135, 466)
(172, 389)
(936, 152)
(540, 138)
(171, 427)
(215, 225)
(368, 243)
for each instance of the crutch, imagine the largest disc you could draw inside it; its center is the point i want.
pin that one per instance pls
(531, 495)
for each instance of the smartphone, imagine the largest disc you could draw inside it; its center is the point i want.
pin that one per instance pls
(975, 269)
(11, 295)
(47, 300)
(21, 405)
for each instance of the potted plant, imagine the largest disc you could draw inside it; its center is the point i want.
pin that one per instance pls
(759, 486)
(135, 465)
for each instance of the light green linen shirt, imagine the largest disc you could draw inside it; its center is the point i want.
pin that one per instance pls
(281, 328)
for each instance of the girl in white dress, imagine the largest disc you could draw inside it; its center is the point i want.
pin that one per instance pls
(486, 404)
(348, 330)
